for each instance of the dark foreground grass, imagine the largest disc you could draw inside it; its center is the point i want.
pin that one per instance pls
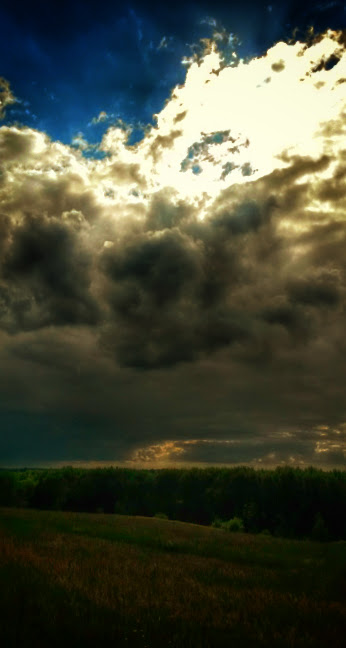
(69, 579)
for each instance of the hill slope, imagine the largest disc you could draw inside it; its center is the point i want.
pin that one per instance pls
(99, 580)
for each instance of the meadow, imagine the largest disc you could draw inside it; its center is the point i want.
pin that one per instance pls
(82, 579)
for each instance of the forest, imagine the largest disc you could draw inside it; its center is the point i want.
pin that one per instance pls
(285, 502)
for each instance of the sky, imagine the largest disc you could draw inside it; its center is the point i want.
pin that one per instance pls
(172, 234)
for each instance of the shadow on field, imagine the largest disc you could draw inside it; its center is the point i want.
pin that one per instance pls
(36, 614)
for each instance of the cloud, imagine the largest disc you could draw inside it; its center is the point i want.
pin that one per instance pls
(102, 117)
(274, 449)
(279, 66)
(45, 277)
(6, 97)
(197, 275)
(80, 142)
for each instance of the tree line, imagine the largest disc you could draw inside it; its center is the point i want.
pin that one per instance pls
(286, 502)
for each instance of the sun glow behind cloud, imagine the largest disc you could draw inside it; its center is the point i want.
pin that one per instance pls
(236, 123)
(227, 125)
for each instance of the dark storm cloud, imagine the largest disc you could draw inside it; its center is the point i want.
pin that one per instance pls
(169, 292)
(322, 289)
(198, 286)
(166, 212)
(149, 325)
(243, 218)
(169, 287)
(45, 277)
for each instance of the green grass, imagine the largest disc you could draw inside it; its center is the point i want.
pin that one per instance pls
(74, 579)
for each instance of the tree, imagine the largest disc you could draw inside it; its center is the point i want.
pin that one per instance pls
(235, 525)
(7, 489)
(319, 530)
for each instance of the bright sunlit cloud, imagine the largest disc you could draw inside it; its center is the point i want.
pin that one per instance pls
(234, 124)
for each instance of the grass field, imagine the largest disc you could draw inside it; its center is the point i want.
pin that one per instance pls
(73, 579)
